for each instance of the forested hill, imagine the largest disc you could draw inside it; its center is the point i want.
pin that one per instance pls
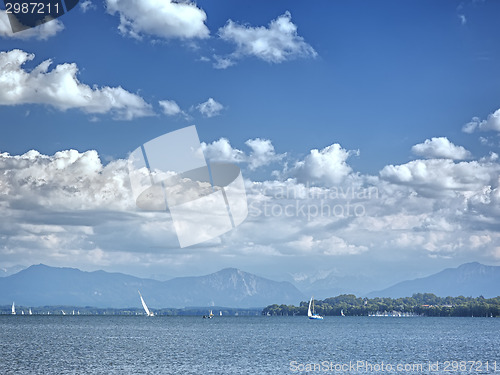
(426, 304)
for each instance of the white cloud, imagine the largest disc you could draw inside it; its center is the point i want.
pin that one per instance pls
(463, 19)
(210, 108)
(436, 177)
(492, 123)
(479, 240)
(222, 150)
(275, 44)
(440, 147)
(60, 88)
(222, 62)
(66, 180)
(331, 245)
(171, 108)
(42, 32)
(80, 211)
(86, 5)
(165, 19)
(328, 166)
(263, 153)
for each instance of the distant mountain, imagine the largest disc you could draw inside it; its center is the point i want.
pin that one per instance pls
(41, 285)
(7, 271)
(334, 285)
(469, 280)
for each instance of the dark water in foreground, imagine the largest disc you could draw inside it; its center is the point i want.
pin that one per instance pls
(247, 345)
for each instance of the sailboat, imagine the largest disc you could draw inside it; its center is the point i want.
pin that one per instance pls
(63, 312)
(30, 312)
(13, 309)
(313, 315)
(220, 313)
(342, 313)
(148, 313)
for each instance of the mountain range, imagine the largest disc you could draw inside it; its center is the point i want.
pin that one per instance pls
(41, 285)
(468, 280)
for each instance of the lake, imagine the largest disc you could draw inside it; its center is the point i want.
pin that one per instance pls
(247, 345)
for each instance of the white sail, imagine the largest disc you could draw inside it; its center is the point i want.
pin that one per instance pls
(313, 315)
(63, 312)
(30, 312)
(220, 313)
(148, 313)
(13, 309)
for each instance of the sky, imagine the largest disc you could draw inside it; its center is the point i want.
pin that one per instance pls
(367, 133)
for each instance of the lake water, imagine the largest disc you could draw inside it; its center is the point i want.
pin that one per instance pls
(248, 345)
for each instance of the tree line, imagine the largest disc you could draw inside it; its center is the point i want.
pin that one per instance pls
(423, 304)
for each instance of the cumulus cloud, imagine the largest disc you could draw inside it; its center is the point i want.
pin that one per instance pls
(276, 43)
(436, 177)
(327, 166)
(222, 150)
(60, 88)
(66, 180)
(73, 207)
(171, 108)
(70, 209)
(165, 19)
(492, 123)
(42, 32)
(262, 152)
(441, 148)
(210, 108)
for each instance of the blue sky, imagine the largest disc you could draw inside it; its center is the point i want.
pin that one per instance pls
(376, 78)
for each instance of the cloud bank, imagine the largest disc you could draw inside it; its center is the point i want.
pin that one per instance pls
(70, 207)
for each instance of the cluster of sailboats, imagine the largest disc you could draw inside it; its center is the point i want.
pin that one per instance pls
(22, 311)
(30, 312)
(310, 311)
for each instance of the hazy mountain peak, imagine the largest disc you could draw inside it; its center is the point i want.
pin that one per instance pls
(45, 285)
(469, 280)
